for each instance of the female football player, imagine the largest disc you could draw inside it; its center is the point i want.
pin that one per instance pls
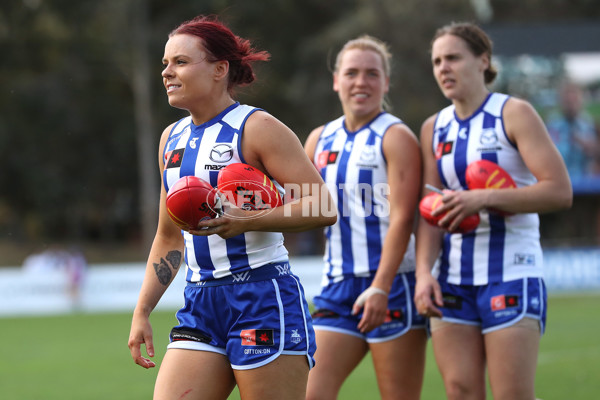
(245, 320)
(371, 162)
(488, 303)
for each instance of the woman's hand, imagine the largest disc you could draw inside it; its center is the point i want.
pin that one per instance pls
(141, 332)
(428, 296)
(459, 205)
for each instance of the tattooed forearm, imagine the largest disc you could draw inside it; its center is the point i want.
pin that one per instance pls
(174, 257)
(163, 272)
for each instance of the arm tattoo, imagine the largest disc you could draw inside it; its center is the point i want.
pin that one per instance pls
(174, 257)
(163, 272)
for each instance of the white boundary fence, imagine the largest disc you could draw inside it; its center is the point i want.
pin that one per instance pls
(114, 287)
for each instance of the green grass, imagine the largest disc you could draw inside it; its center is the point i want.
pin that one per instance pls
(86, 357)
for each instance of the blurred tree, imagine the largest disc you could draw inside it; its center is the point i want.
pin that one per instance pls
(83, 104)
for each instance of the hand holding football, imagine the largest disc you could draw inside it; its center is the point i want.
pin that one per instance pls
(432, 201)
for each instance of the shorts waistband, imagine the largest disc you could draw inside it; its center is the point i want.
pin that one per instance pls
(268, 271)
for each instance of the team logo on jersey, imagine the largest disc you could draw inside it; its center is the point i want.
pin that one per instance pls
(489, 141)
(488, 137)
(443, 149)
(502, 302)
(174, 158)
(295, 338)
(368, 153)
(257, 337)
(221, 153)
(326, 158)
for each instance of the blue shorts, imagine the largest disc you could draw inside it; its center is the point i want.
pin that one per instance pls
(252, 323)
(334, 309)
(496, 305)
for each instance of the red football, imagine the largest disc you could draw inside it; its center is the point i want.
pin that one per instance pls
(191, 200)
(433, 201)
(248, 188)
(485, 174)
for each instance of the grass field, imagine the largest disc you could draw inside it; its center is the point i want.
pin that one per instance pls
(85, 357)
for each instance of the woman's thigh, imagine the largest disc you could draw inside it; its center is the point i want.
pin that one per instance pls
(197, 375)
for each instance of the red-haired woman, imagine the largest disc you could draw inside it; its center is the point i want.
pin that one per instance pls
(245, 320)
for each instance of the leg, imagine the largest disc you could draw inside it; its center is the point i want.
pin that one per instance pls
(193, 375)
(282, 379)
(512, 358)
(460, 356)
(336, 356)
(400, 364)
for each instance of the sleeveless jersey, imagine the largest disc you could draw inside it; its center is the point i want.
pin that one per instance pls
(203, 151)
(354, 169)
(501, 248)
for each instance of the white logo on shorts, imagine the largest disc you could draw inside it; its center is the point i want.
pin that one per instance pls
(283, 269)
(244, 276)
(296, 338)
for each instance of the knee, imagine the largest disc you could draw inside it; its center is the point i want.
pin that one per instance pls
(321, 392)
(320, 395)
(457, 390)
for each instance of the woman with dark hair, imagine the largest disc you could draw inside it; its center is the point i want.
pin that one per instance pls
(245, 320)
(486, 297)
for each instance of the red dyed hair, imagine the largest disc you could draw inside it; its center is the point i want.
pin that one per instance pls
(221, 44)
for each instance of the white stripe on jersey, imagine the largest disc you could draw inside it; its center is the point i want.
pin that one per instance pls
(355, 172)
(502, 248)
(203, 150)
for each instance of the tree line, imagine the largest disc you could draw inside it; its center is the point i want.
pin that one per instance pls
(83, 103)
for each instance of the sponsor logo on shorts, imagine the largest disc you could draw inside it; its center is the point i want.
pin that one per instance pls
(502, 302)
(393, 315)
(257, 351)
(324, 313)
(193, 335)
(257, 337)
(451, 301)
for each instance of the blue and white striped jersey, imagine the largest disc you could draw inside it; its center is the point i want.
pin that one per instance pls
(203, 151)
(354, 169)
(501, 248)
